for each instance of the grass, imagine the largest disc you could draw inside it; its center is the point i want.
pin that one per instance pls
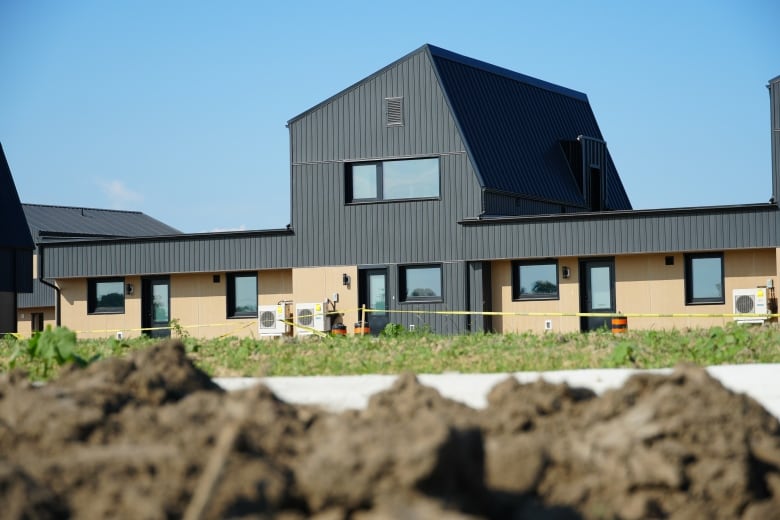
(423, 352)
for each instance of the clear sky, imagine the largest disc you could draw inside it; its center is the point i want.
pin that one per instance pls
(178, 108)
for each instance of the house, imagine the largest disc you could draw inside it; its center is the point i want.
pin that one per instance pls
(445, 192)
(38, 308)
(16, 247)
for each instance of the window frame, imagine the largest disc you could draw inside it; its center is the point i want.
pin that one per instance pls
(379, 181)
(230, 295)
(517, 281)
(402, 284)
(690, 299)
(92, 305)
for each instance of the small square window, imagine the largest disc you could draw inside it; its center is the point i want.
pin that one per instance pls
(420, 283)
(242, 295)
(704, 279)
(537, 280)
(106, 296)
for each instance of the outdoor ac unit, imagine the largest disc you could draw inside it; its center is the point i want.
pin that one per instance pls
(310, 317)
(271, 320)
(750, 301)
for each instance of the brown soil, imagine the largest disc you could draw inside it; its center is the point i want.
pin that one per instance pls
(150, 436)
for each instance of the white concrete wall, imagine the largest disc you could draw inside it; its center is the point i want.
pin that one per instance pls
(352, 392)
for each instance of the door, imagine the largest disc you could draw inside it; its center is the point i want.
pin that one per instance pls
(372, 293)
(597, 292)
(155, 307)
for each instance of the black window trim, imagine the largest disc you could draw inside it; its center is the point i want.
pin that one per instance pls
(230, 295)
(350, 199)
(92, 306)
(516, 264)
(689, 298)
(402, 299)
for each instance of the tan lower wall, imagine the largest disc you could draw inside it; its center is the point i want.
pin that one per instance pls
(24, 319)
(198, 303)
(501, 275)
(73, 296)
(316, 284)
(644, 284)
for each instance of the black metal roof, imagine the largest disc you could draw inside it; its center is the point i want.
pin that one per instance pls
(74, 222)
(514, 125)
(13, 228)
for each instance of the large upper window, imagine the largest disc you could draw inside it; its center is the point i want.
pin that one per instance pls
(393, 180)
(536, 280)
(704, 278)
(242, 295)
(106, 296)
(420, 283)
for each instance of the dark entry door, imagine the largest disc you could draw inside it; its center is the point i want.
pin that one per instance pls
(597, 291)
(156, 307)
(372, 293)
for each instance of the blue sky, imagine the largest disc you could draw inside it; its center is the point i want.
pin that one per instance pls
(178, 108)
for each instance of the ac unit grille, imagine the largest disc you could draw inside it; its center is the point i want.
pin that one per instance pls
(306, 317)
(745, 304)
(268, 319)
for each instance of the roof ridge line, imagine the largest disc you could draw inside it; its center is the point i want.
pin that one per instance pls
(439, 52)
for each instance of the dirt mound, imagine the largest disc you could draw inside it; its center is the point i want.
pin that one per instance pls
(150, 436)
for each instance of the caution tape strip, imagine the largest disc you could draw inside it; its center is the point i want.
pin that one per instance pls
(311, 330)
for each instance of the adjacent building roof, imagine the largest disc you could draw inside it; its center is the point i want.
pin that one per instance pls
(13, 231)
(74, 222)
(514, 126)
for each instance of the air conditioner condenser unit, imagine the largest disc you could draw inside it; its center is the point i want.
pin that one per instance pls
(271, 319)
(750, 302)
(311, 317)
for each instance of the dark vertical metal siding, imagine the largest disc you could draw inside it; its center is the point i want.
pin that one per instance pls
(169, 255)
(512, 205)
(351, 127)
(454, 299)
(479, 296)
(713, 229)
(774, 107)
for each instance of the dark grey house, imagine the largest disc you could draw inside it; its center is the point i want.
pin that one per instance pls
(16, 247)
(443, 191)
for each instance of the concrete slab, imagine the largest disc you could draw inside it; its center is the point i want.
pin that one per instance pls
(339, 393)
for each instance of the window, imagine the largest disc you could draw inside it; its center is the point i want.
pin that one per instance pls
(106, 296)
(420, 283)
(242, 295)
(704, 278)
(536, 280)
(393, 180)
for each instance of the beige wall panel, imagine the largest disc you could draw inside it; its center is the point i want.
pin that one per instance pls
(200, 305)
(24, 321)
(644, 285)
(275, 286)
(35, 265)
(74, 311)
(501, 274)
(316, 284)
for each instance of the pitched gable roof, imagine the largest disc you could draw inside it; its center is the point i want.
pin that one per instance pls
(514, 125)
(75, 222)
(13, 230)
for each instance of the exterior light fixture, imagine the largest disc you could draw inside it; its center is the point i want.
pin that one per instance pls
(565, 271)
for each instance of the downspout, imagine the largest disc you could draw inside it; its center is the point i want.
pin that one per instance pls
(57, 313)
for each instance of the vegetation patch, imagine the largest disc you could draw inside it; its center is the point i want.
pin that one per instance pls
(420, 351)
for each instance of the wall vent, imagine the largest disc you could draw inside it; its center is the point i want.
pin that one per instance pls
(394, 111)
